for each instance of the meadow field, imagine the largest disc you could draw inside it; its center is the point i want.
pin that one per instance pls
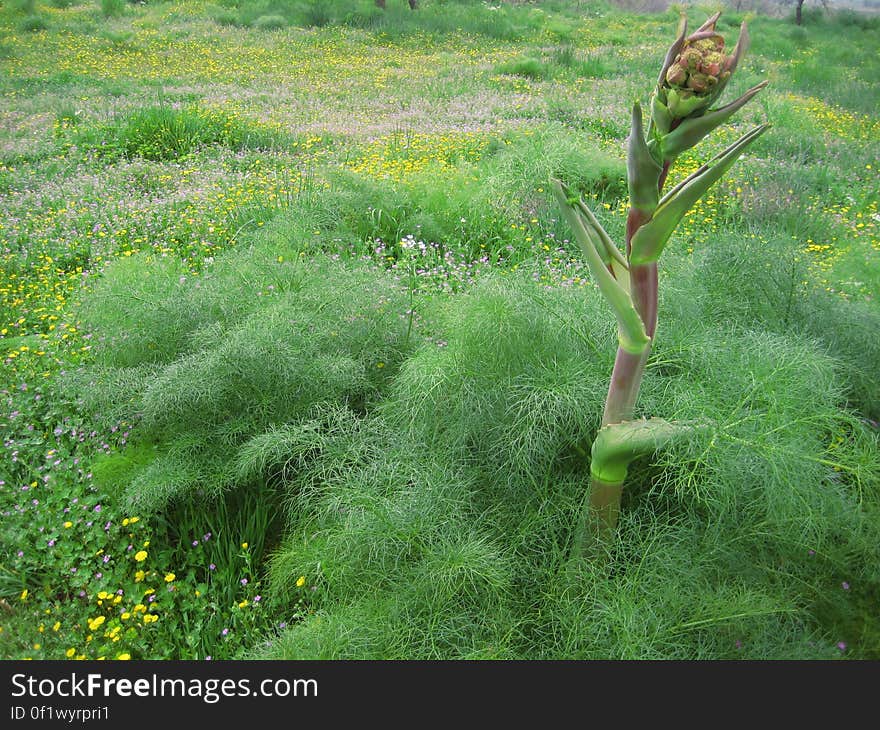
(300, 360)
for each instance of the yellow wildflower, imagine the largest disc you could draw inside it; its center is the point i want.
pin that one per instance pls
(70, 652)
(140, 556)
(170, 577)
(124, 657)
(301, 581)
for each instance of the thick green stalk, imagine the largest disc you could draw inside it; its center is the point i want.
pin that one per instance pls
(646, 233)
(615, 447)
(603, 508)
(626, 377)
(599, 520)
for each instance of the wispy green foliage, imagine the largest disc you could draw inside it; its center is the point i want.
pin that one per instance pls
(397, 20)
(473, 212)
(780, 294)
(270, 22)
(249, 346)
(558, 152)
(456, 507)
(34, 24)
(516, 387)
(112, 8)
(529, 67)
(379, 515)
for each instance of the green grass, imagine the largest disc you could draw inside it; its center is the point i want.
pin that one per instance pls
(270, 22)
(34, 24)
(167, 133)
(288, 311)
(112, 8)
(397, 20)
(529, 67)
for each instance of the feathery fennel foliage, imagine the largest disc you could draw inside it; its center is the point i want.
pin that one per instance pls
(250, 346)
(729, 546)
(430, 502)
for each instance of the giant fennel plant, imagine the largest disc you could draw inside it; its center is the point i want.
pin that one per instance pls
(695, 72)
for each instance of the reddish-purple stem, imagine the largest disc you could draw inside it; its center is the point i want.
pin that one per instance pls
(626, 379)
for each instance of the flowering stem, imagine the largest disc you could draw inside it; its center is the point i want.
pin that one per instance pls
(695, 71)
(603, 507)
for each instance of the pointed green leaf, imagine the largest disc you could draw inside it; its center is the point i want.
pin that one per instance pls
(693, 129)
(613, 252)
(675, 49)
(742, 45)
(610, 254)
(643, 171)
(631, 329)
(730, 64)
(661, 119)
(727, 158)
(648, 241)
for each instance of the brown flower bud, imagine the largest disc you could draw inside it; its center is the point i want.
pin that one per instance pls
(700, 63)
(690, 58)
(696, 70)
(676, 75)
(698, 82)
(712, 63)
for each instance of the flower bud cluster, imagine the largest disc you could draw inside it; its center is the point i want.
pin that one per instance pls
(699, 66)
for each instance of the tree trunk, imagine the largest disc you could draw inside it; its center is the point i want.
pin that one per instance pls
(380, 4)
(798, 16)
(413, 4)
